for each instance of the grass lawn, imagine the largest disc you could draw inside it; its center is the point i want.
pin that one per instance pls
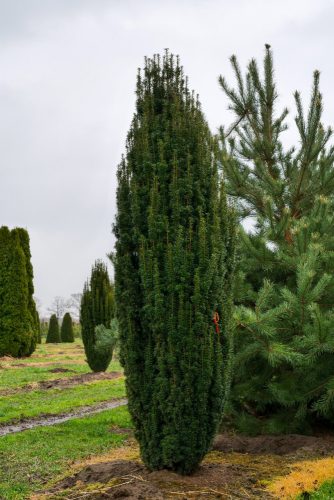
(30, 459)
(15, 373)
(56, 401)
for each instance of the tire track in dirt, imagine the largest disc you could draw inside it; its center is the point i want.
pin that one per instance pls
(48, 420)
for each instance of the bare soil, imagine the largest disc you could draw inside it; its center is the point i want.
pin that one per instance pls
(289, 444)
(237, 468)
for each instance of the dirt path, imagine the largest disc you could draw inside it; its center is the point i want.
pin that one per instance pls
(48, 420)
(62, 382)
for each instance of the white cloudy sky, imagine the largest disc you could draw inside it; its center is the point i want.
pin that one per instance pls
(67, 77)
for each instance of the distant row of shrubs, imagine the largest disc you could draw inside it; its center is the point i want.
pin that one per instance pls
(63, 334)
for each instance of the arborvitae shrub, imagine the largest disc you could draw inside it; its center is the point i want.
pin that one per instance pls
(170, 272)
(97, 308)
(17, 327)
(53, 336)
(66, 331)
(25, 244)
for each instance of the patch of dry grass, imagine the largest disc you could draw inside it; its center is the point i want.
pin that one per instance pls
(305, 476)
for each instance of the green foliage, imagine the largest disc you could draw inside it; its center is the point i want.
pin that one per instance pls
(34, 319)
(106, 338)
(66, 331)
(173, 230)
(284, 366)
(77, 330)
(18, 327)
(39, 329)
(97, 310)
(44, 327)
(53, 336)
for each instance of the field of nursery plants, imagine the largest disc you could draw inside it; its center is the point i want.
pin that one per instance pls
(166, 250)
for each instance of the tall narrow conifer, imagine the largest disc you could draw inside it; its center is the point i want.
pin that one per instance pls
(97, 308)
(170, 270)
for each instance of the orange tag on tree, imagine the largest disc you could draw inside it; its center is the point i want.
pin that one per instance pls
(215, 319)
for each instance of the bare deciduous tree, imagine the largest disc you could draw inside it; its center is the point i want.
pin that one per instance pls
(59, 306)
(75, 302)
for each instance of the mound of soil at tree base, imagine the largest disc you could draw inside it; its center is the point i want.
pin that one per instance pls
(238, 468)
(131, 480)
(275, 445)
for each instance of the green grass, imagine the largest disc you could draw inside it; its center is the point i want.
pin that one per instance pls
(17, 377)
(16, 373)
(30, 459)
(54, 401)
(325, 492)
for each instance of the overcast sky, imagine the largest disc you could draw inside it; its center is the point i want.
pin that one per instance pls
(67, 80)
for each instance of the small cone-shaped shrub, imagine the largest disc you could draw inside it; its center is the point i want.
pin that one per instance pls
(66, 331)
(17, 327)
(170, 271)
(97, 308)
(53, 336)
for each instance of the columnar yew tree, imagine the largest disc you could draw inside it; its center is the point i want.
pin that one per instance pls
(284, 371)
(170, 270)
(17, 326)
(53, 336)
(97, 308)
(66, 331)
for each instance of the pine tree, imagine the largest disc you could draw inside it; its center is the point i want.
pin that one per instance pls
(66, 331)
(97, 308)
(284, 365)
(170, 270)
(53, 336)
(17, 336)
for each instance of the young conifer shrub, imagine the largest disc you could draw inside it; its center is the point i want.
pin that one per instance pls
(53, 336)
(170, 270)
(97, 309)
(66, 331)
